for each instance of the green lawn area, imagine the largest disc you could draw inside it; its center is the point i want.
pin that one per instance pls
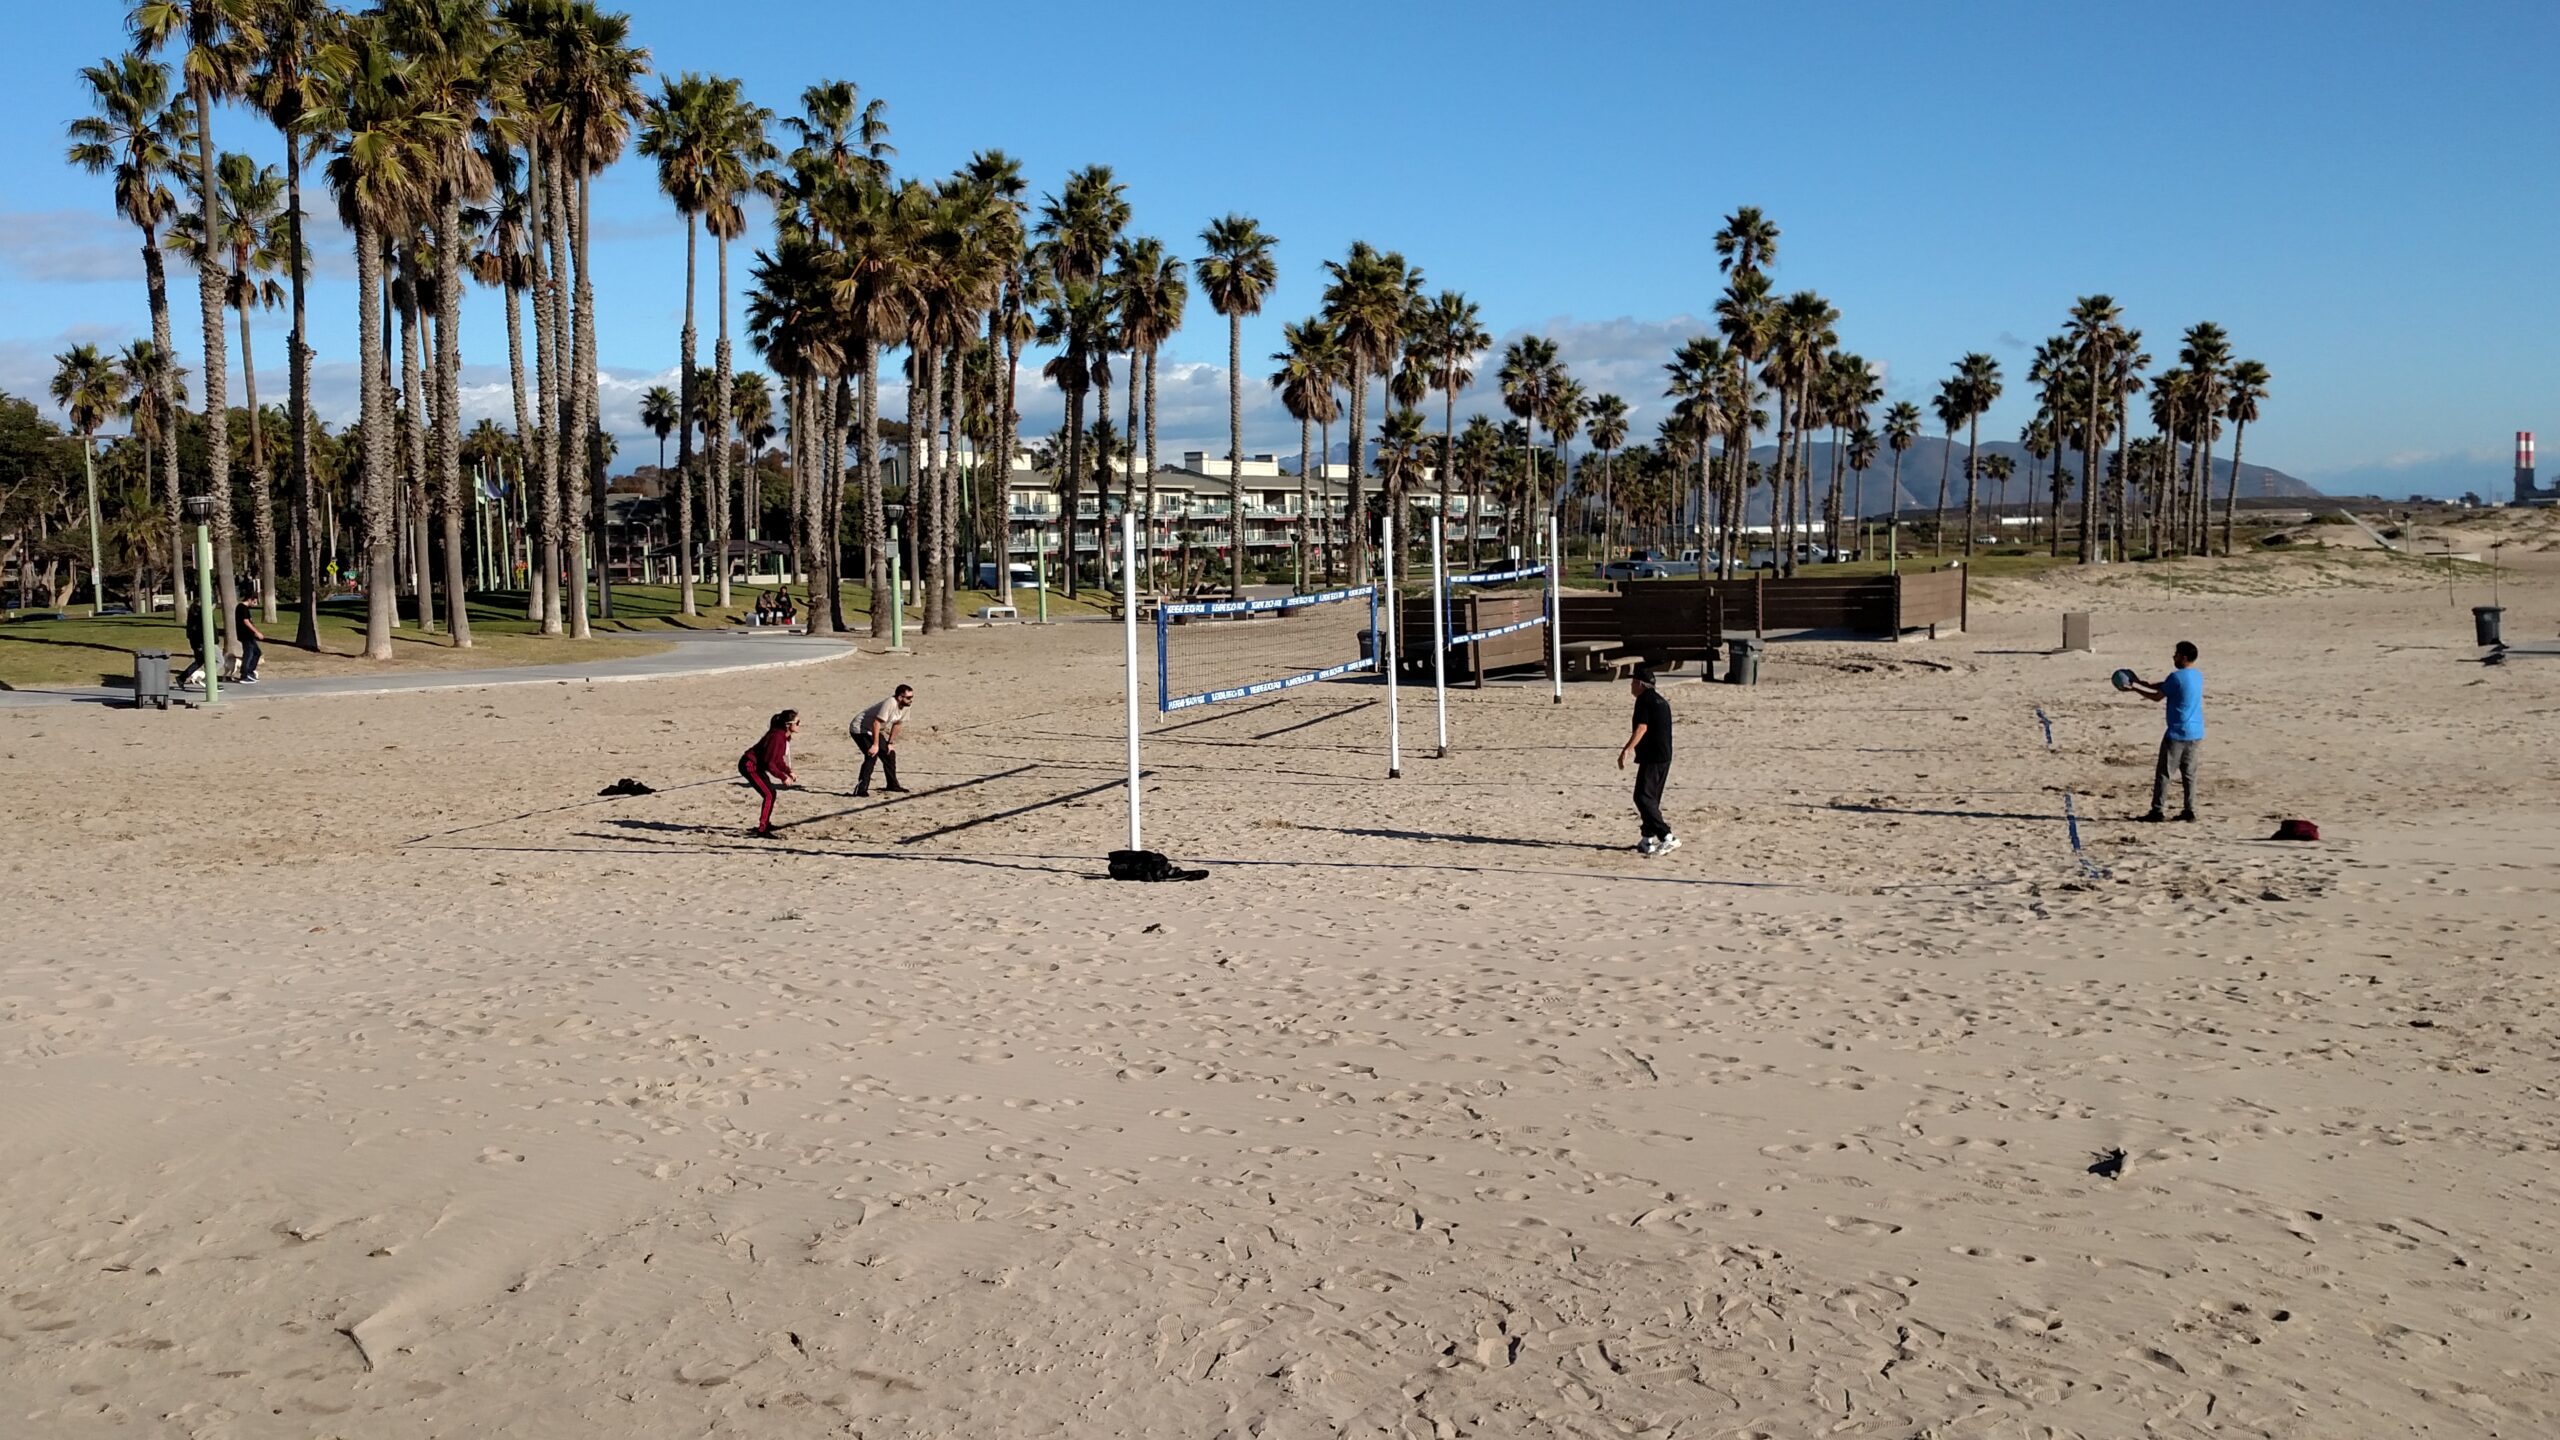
(77, 650)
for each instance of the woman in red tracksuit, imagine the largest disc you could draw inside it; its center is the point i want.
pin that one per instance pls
(768, 762)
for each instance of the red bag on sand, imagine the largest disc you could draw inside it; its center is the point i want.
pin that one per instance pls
(2296, 830)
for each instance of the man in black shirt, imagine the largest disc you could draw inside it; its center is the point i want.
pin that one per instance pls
(1650, 743)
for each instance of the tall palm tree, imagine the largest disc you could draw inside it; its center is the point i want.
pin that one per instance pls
(681, 133)
(1448, 335)
(218, 43)
(1479, 447)
(1368, 299)
(1901, 432)
(1153, 287)
(1978, 385)
(1528, 378)
(1009, 327)
(1862, 458)
(751, 421)
(1799, 352)
(155, 391)
(1608, 432)
(1236, 271)
(1950, 407)
(658, 414)
(1307, 360)
(1748, 243)
(739, 150)
(252, 246)
(2205, 352)
(138, 128)
(2247, 386)
(1852, 387)
(1077, 228)
(1999, 468)
(286, 87)
(1747, 316)
(87, 387)
(2097, 332)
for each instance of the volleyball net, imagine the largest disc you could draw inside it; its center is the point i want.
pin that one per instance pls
(1211, 651)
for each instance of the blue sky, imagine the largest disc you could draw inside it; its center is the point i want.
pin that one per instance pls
(2365, 195)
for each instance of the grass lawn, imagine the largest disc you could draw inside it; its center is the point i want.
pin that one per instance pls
(77, 650)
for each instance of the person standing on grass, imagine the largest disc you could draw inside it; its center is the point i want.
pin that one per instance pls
(768, 762)
(876, 730)
(1649, 742)
(2182, 742)
(245, 616)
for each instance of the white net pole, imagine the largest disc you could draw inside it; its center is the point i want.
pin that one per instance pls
(1440, 633)
(1555, 606)
(1129, 639)
(1387, 646)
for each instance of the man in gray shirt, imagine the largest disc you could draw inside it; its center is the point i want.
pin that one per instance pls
(876, 731)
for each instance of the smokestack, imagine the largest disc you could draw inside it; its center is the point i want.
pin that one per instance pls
(2524, 451)
(2527, 492)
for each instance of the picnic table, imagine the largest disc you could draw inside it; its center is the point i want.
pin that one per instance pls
(1598, 660)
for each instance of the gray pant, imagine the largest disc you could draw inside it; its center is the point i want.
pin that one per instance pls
(2179, 757)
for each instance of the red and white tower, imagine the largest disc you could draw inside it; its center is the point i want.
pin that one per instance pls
(2527, 492)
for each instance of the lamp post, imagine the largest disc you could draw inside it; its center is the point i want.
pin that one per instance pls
(199, 509)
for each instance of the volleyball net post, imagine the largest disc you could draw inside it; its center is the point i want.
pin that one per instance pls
(1384, 638)
(1440, 633)
(1129, 641)
(1555, 606)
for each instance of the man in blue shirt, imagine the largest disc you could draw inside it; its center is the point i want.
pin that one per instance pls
(2182, 691)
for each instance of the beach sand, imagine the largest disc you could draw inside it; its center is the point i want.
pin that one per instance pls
(366, 1076)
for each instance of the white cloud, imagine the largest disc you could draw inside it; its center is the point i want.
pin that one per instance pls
(58, 247)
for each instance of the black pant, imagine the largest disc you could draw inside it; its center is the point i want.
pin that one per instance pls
(250, 653)
(1651, 776)
(874, 753)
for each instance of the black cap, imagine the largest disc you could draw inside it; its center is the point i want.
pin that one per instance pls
(1644, 674)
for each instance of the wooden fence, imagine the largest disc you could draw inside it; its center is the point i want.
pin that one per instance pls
(1884, 606)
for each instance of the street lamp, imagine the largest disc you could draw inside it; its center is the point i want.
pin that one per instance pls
(897, 584)
(199, 510)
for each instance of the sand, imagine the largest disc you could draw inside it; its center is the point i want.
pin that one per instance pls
(366, 1076)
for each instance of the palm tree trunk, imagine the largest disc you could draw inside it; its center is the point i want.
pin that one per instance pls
(457, 600)
(524, 430)
(413, 436)
(211, 290)
(875, 515)
(262, 507)
(1972, 448)
(1355, 515)
(1306, 457)
(578, 437)
(2231, 495)
(156, 277)
(924, 470)
(2117, 480)
(716, 434)
(1071, 484)
(558, 474)
(2090, 440)
(380, 589)
(1147, 523)
(306, 550)
(1938, 539)
(684, 430)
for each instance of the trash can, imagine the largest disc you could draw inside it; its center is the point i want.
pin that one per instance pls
(1368, 644)
(1742, 663)
(2484, 624)
(151, 679)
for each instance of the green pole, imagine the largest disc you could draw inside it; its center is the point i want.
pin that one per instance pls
(205, 617)
(1040, 554)
(897, 597)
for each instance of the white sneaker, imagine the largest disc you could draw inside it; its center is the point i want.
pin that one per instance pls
(1646, 846)
(1667, 843)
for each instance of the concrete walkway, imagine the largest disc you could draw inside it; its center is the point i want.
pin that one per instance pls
(715, 653)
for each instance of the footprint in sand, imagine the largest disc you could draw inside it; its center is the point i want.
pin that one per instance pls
(1860, 1225)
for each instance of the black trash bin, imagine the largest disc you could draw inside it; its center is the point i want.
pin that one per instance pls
(1742, 663)
(151, 679)
(2484, 623)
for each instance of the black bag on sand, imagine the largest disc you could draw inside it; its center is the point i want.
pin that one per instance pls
(626, 786)
(1149, 865)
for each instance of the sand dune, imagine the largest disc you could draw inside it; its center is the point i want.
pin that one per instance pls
(367, 1076)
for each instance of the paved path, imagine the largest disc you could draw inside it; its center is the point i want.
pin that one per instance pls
(715, 653)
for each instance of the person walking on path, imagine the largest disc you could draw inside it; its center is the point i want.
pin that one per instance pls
(2182, 742)
(768, 762)
(251, 650)
(1649, 742)
(876, 731)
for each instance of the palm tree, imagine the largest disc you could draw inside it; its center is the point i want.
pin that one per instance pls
(379, 174)
(1529, 375)
(1077, 228)
(1802, 345)
(155, 391)
(287, 87)
(1566, 409)
(1901, 432)
(1608, 432)
(1448, 334)
(1747, 316)
(1862, 458)
(751, 419)
(136, 130)
(87, 387)
(1236, 271)
(1748, 243)
(1153, 287)
(738, 149)
(2096, 332)
(682, 134)
(2205, 352)
(659, 414)
(218, 44)
(252, 246)
(2000, 468)
(1851, 387)
(1951, 409)
(1305, 384)
(1978, 383)
(1368, 298)
(1401, 437)
(1009, 327)
(2248, 386)
(1479, 446)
